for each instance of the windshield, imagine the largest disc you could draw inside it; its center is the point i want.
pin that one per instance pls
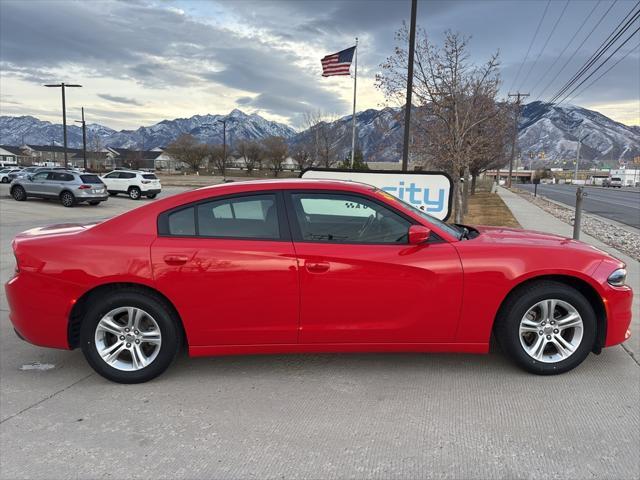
(90, 179)
(149, 176)
(450, 229)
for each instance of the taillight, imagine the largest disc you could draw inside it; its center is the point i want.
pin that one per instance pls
(146, 181)
(84, 187)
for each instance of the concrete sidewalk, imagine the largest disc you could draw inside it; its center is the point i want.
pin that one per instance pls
(532, 217)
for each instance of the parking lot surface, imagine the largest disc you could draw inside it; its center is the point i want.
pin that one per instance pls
(305, 416)
(619, 204)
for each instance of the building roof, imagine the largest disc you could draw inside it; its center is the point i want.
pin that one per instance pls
(53, 148)
(14, 150)
(146, 154)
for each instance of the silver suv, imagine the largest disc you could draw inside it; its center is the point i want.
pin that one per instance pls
(68, 186)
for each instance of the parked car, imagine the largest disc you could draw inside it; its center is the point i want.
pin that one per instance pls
(5, 172)
(309, 266)
(615, 182)
(134, 183)
(31, 171)
(68, 186)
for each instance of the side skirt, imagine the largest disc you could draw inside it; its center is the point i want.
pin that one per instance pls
(220, 350)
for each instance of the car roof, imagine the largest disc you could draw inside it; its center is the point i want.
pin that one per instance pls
(291, 183)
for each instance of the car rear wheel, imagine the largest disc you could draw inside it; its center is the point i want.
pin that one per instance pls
(130, 337)
(134, 193)
(5, 180)
(546, 327)
(67, 199)
(18, 193)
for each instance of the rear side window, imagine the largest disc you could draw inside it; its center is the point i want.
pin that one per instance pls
(149, 176)
(249, 217)
(255, 216)
(62, 177)
(90, 179)
(127, 175)
(182, 222)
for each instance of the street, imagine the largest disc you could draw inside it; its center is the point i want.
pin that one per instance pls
(305, 416)
(619, 204)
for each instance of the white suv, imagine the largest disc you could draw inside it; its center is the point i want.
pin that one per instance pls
(134, 183)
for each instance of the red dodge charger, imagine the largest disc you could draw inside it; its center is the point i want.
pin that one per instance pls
(309, 266)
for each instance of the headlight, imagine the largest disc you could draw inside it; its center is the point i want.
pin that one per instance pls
(618, 277)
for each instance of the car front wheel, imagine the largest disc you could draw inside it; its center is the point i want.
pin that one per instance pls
(546, 327)
(134, 193)
(130, 336)
(5, 180)
(18, 193)
(67, 199)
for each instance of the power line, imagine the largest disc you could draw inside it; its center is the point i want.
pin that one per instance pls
(605, 72)
(606, 45)
(584, 22)
(544, 14)
(544, 47)
(576, 50)
(519, 96)
(602, 64)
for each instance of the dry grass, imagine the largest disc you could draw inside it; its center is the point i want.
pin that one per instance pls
(489, 209)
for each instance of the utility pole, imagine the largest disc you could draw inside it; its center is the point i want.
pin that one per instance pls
(407, 107)
(84, 139)
(575, 175)
(519, 96)
(62, 86)
(224, 148)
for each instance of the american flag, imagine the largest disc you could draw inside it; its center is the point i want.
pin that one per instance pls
(337, 63)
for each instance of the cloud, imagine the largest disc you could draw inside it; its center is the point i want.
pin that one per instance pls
(116, 99)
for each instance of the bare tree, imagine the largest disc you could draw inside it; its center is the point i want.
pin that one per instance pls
(217, 155)
(275, 153)
(188, 150)
(254, 154)
(452, 91)
(303, 157)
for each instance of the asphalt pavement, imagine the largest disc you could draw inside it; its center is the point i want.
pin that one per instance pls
(400, 416)
(619, 204)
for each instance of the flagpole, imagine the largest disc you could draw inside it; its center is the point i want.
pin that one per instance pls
(353, 129)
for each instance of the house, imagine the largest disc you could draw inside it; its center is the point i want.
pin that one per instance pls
(9, 155)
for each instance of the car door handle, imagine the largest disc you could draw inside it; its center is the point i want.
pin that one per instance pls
(316, 267)
(175, 259)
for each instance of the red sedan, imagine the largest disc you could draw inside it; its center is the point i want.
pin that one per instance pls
(309, 266)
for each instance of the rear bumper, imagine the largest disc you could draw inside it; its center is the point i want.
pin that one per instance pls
(39, 308)
(91, 197)
(152, 191)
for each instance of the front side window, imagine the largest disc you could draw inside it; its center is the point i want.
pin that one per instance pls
(254, 216)
(41, 176)
(345, 218)
(112, 175)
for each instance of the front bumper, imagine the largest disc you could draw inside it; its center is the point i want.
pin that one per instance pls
(617, 303)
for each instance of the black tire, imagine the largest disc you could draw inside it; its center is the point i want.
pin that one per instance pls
(94, 203)
(134, 193)
(113, 194)
(157, 307)
(67, 199)
(5, 180)
(19, 193)
(152, 195)
(516, 306)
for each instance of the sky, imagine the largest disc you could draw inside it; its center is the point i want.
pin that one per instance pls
(142, 61)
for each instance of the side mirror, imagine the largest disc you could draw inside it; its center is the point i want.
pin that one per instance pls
(418, 234)
(30, 178)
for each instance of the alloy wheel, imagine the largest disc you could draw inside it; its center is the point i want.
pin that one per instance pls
(551, 331)
(128, 338)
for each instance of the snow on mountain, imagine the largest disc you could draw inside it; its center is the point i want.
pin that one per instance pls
(555, 130)
(543, 127)
(206, 128)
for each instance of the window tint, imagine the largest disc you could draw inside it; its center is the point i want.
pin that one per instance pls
(182, 222)
(255, 216)
(149, 176)
(344, 218)
(127, 175)
(113, 175)
(90, 179)
(61, 177)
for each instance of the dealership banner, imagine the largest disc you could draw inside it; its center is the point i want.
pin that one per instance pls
(428, 191)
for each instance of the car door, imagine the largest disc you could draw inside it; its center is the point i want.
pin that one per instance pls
(37, 184)
(360, 280)
(111, 180)
(230, 267)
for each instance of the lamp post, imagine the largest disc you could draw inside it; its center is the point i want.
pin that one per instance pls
(84, 139)
(62, 86)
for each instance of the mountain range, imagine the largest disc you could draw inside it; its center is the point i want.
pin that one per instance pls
(549, 132)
